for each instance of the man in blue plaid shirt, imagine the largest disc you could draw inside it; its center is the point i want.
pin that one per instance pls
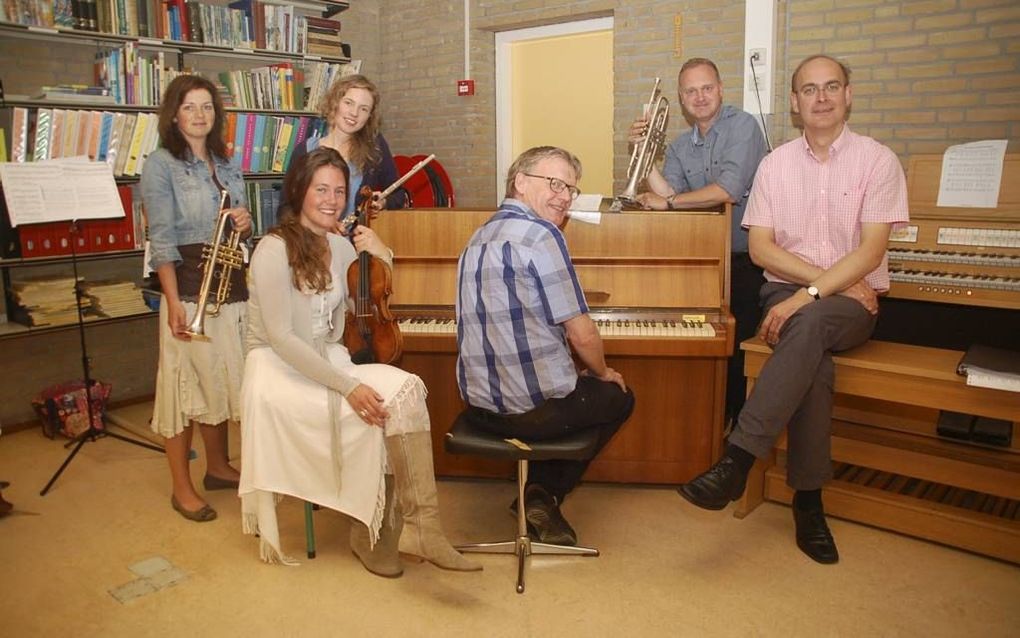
(520, 309)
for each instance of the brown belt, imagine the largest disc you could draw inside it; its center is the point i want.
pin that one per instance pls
(189, 277)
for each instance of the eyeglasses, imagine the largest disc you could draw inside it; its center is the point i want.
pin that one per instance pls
(811, 90)
(557, 185)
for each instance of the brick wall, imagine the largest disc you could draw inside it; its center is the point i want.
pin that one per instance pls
(926, 73)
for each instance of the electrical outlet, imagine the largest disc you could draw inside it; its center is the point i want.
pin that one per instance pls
(757, 69)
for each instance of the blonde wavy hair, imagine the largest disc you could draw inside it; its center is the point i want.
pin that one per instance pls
(364, 151)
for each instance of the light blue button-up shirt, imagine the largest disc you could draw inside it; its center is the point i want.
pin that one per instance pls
(728, 156)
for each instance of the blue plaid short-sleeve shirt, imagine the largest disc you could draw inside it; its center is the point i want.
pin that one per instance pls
(516, 286)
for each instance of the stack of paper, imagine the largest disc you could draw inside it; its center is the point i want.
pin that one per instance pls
(47, 301)
(115, 298)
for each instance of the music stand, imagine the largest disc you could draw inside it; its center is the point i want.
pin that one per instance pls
(93, 433)
(66, 190)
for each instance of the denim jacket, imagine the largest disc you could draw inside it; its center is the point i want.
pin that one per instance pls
(182, 203)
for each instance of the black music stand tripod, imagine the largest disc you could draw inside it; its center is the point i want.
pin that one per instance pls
(93, 433)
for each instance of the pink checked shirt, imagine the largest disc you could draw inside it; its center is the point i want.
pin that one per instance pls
(816, 208)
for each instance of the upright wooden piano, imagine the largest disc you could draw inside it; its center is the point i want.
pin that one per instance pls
(657, 284)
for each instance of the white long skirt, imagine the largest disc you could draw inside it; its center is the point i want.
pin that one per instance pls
(286, 444)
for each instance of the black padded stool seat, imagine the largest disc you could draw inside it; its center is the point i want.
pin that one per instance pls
(465, 438)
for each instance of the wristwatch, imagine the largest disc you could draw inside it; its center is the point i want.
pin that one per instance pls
(669, 202)
(813, 291)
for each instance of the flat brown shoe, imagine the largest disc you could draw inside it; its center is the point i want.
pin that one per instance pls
(203, 515)
(211, 482)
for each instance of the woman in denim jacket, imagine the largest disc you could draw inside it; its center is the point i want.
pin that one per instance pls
(197, 381)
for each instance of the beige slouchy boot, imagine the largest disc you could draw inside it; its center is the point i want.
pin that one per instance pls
(410, 457)
(384, 558)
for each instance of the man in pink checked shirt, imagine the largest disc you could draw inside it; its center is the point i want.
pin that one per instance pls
(819, 217)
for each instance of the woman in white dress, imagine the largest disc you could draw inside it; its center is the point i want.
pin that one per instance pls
(314, 425)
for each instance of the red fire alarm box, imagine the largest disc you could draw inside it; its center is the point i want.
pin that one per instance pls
(465, 87)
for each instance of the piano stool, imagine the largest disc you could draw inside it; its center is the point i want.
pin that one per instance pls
(464, 438)
(891, 470)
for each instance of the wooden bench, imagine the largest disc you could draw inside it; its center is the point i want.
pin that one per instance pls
(891, 469)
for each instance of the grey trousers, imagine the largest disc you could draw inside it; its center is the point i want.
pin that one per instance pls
(795, 385)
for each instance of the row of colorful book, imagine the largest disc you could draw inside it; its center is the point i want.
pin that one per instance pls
(132, 78)
(244, 23)
(259, 143)
(283, 86)
(122, 140)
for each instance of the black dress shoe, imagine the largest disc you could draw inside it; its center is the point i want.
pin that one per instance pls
(814, 537)
(717, 487)
(545, 521)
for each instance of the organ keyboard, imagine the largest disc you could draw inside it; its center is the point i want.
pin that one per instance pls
(967, 256)
(658, 288)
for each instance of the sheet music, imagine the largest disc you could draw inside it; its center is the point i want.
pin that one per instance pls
(971, 174)
(59, 190)
(586, 208)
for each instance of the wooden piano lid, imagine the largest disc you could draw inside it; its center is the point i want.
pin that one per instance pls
(640, 259)
(924, 175)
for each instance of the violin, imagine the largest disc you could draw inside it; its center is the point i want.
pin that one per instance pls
(370, 332)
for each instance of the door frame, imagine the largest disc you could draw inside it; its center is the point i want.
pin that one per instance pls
(504, 42)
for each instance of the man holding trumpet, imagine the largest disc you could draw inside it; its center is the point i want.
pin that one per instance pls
(712, 163)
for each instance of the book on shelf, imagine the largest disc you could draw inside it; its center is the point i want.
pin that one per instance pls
(14, 123)
(56, 146)
(135, 147)
(989, 367)
(43, 124)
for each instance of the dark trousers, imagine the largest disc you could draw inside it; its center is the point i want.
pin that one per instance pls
(592, 404)
(795, 386)
(746, 281)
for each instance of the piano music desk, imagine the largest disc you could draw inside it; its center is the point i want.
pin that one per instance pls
(890, 468)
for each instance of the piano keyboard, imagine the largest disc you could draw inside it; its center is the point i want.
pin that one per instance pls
(631, 327)
(654, 328)
(427, 325)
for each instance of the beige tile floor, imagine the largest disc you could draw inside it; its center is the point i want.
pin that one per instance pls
(667, 569)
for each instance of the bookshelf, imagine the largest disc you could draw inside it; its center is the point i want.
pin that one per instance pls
(137, 62)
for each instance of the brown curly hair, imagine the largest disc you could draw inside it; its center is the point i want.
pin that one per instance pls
(306, 251)
(364, 151)
(170, 136)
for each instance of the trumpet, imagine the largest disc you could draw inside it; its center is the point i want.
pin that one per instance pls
(643, 156)
(219, 258)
